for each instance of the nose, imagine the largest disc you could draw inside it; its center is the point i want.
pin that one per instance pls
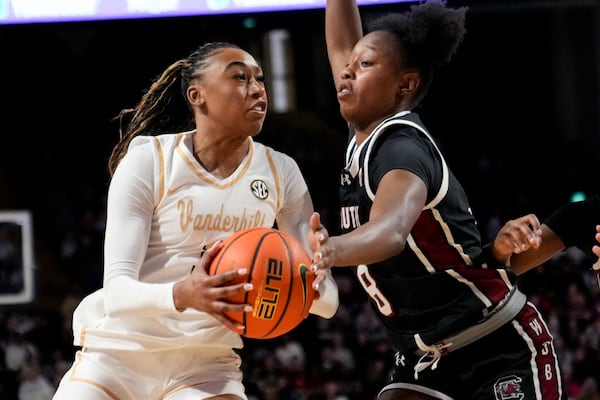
(347, 72)
(256, 88)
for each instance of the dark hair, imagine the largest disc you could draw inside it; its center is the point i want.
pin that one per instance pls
(427, 36)
(164, 107)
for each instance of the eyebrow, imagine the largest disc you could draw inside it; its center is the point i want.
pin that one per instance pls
(242, 64)
(235, 64)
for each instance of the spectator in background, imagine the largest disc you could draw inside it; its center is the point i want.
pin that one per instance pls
(290, 353)
(590, 390)
(330, 390)
(34, 385)
(19, 352)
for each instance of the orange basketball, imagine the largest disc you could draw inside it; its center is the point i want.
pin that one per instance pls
(280, 270)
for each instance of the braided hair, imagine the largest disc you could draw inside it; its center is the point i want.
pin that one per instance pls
(164, 107)
(426, 36)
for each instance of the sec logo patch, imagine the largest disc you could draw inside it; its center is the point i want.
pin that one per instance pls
(259, 189)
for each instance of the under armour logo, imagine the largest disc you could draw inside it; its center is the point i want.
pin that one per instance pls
(399, 360)
(345, 179)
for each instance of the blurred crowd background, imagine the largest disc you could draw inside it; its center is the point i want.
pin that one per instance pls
(516, 113)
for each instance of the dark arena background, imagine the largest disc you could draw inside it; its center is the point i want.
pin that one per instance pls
(517, 113)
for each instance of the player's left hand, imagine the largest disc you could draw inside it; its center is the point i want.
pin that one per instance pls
(324, 252)
(317, 233)
(316, 236)
(516, 236)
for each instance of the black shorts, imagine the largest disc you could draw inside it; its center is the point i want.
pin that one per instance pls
(517, 361)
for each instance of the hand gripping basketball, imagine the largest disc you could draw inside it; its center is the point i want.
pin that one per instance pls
(280, 270)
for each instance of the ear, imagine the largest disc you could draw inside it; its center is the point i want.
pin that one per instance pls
(194, 95)
(409, 83)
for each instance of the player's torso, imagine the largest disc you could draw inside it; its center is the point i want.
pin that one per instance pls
(433, 282)
(444, 236)
(195, 209)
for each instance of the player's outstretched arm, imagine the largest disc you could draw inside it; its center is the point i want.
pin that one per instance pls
(524, 243)
(564, 227)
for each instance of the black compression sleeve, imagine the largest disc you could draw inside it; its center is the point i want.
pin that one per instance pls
(575, 223)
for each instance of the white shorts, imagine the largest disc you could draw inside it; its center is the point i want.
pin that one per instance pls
(170, 375)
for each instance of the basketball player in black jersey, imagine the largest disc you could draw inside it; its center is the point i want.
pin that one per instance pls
(460, 326)
(524, 243)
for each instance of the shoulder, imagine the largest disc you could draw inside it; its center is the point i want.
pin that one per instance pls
(164, 140)
(404, 139)
(278, 157)
(145, 149)
(405, 126)
(409, 122)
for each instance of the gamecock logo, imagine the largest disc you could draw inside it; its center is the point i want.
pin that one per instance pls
(508, 388)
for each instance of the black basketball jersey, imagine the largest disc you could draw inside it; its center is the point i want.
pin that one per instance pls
(435, 287)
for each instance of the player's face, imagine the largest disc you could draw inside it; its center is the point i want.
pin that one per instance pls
(369, 91)
(234, 98)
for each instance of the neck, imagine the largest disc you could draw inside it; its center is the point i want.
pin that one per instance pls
(221, 157)
(362, 132)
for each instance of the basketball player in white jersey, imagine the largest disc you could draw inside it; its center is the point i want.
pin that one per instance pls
(185, 175)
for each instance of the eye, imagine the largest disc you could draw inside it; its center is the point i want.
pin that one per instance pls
(260, 78)
(366, 63)
(240, 76)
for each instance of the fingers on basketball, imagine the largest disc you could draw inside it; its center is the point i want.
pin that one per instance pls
(279, 269)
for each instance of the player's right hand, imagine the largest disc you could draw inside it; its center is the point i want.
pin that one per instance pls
(207, 293)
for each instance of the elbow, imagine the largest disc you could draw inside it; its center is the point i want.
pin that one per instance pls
(380, 248)
(115, 302)
(112, 306)
(393, 245)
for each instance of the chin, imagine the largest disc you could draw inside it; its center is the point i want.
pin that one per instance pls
(256, 131)
(346, 111)
(347, 115)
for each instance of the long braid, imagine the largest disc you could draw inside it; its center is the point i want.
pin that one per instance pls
(164, 107)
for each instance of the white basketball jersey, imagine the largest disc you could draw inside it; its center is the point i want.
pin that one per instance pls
(164, 209)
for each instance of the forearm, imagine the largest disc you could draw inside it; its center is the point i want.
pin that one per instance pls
(343, 28)
(368, 244)
(550, 245)
(126, 297)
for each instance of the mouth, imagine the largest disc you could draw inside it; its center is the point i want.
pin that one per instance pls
(259, 106)
(344, 90)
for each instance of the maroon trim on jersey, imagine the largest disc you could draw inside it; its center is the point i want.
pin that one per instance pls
(487, 281)
(433, 243)
(535, 332)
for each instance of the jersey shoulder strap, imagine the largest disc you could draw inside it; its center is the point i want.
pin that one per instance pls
(398, 119)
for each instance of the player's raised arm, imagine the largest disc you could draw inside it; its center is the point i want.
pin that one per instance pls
(343, 28)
